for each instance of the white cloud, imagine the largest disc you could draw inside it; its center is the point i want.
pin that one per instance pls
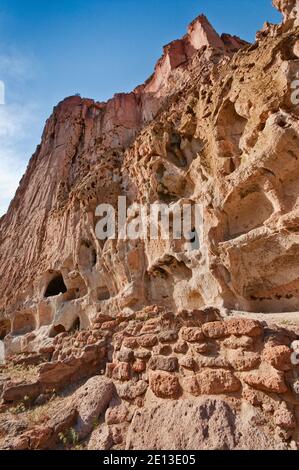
(13, 119)
(16, 66)
(15, 123)
(11, 170)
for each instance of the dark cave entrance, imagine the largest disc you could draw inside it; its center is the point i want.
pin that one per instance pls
(76, 325)
(103, 293)
(56, 287)
(5, 328)
(58, 329)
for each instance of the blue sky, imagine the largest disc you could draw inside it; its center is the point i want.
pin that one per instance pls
(53, 49)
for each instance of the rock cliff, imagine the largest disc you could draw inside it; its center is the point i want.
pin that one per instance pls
(166, 328)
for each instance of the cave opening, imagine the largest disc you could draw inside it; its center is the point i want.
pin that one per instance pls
(76, 325)
(58, 329)
(193, 240)
(103, 293)
(94, 257)
(56, 287)
(5, 328)
(23, 322)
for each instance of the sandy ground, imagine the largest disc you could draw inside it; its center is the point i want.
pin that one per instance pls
(285, 320)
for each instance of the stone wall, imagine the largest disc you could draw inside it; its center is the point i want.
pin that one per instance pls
(165, 366)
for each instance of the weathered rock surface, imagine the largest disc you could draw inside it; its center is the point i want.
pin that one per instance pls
(215, 426)
(289, 9)
(235, 396)
(91, 401)
(192, 132)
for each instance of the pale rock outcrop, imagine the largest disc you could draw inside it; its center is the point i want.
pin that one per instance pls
(289, 9)
(215, 426)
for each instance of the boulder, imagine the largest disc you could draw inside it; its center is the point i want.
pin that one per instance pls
(207, 424)
(91, 401)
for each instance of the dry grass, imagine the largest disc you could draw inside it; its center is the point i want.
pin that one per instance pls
(21, 372)
(38, 414)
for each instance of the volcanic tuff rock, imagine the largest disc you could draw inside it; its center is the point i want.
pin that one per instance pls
(48, 242)
(223, 398)
(217, 125)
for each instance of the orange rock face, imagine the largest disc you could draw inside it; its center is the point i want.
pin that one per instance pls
(192, 132)
(279, 357)
(48, 242)
(236, 327)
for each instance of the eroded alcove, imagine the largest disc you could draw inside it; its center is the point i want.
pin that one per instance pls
(87, 255)
(5, 328)
(23, 322)
(76, 286)
(232, 123)
(174, 152)
(247, 211)
(76, 325)
(56, 330)
(59, 328)
(103, 293)
(230, 129)
(56, 286)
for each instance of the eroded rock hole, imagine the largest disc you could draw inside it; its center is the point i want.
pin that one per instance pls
(5, 328)
(174, 152)
(193, 240)
(56, 287)
(230, 128)
(93, 257)
(160, 273)
(88, 254)
(59, 329)
(23, 322)
(76, 325)
(103, 293)
(248, 212)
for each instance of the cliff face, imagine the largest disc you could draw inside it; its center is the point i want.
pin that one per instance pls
(211, 126)
(216, 125)
(81, 162)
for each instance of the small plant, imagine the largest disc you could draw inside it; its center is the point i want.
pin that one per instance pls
(63, 439)
(52, 395)
(70, 438)
(18, 409)
(74, 437)
(95, 423)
